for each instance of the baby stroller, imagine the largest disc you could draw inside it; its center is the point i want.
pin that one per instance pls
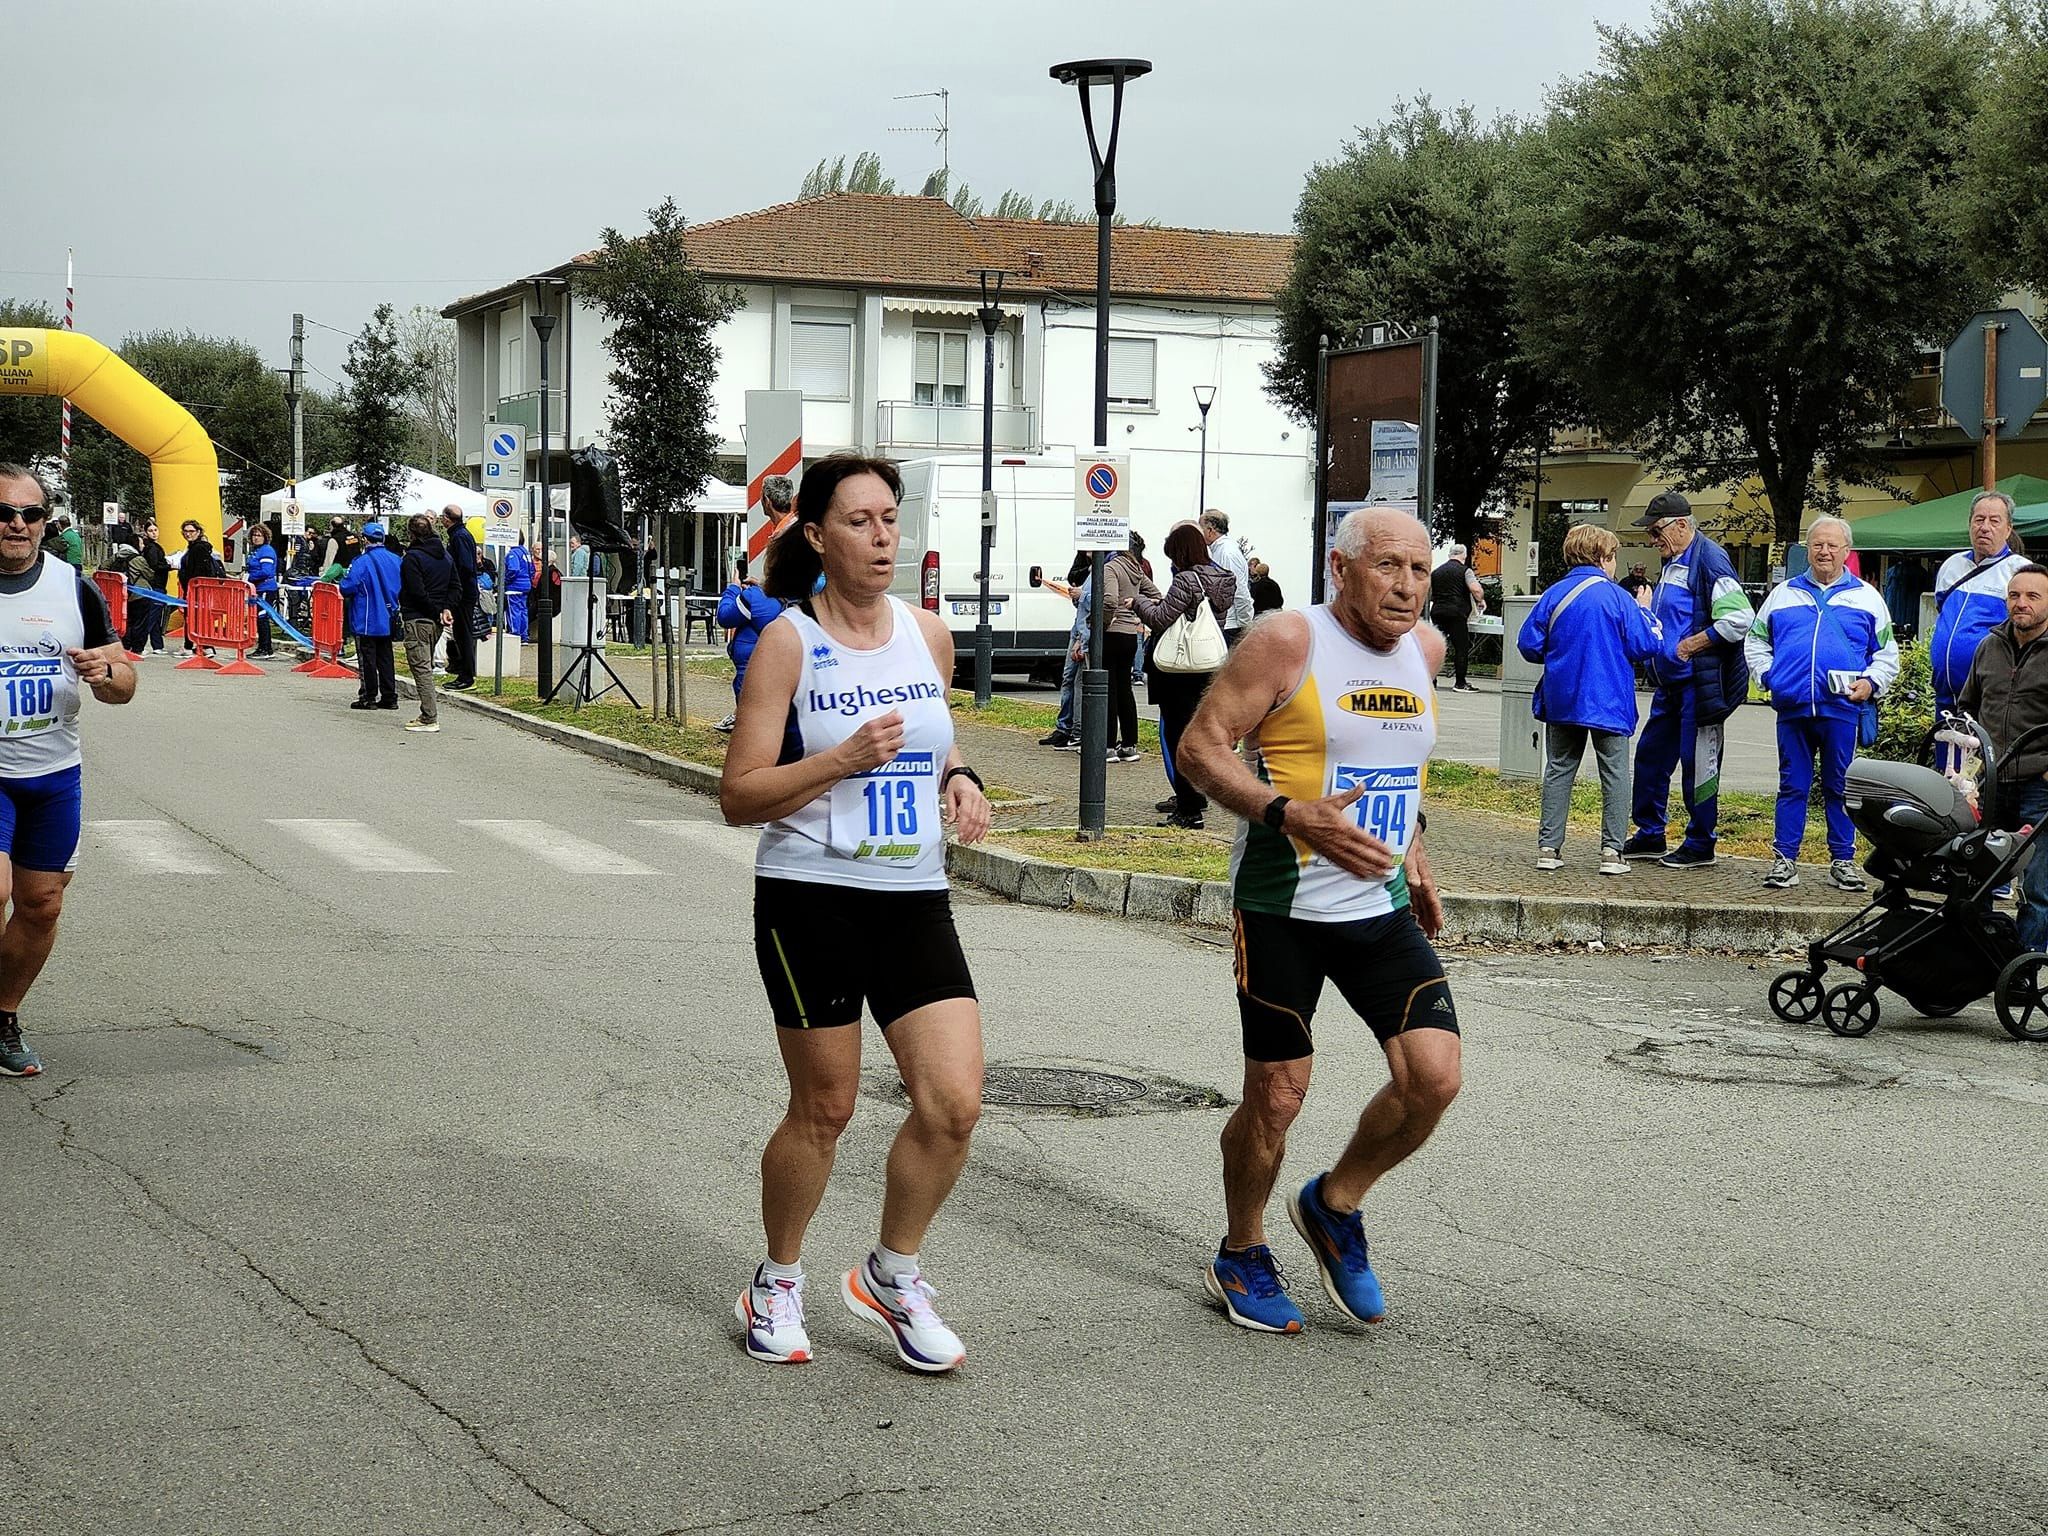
(1932, 934)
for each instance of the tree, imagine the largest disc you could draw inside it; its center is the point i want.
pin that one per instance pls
(29, 424)
(1999, 212)
(1416, 219)
(230, 391)
(382, 377)
(827, 178)
(1739, 235)
(662, 314)
(436, 409)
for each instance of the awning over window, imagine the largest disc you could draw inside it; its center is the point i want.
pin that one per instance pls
(970, 307)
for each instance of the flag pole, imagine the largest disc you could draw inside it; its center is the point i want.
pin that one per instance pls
(64, 443)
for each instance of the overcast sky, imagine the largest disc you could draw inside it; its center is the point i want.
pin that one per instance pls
(219, 164)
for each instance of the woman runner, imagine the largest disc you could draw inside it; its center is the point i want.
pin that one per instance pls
(844, 747)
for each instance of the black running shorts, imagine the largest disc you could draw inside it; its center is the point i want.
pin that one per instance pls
(1383, 966)
(826, 949)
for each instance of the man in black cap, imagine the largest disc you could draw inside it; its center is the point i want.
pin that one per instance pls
(462, 635)
(1701, 678)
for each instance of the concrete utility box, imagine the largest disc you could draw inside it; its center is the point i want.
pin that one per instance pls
(1521, 733)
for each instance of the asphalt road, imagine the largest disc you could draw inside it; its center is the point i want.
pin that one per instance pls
(400, 1178)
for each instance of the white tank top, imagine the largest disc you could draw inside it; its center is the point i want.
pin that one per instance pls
(38, 683)
(880, 828)
(1360, 716)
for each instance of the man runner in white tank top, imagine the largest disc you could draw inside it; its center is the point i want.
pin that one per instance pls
(54, 637)
(1329, 882)
(844, 747)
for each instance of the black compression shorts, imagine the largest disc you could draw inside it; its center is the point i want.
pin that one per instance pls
(1383, 966)
(825, 949)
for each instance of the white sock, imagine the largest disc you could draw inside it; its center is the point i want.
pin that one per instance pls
(893, 1266)
(774, 1271)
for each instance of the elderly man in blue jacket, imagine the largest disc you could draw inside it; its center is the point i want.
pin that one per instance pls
(1969, 595)
(1701, 681)
(1823, 648)
(1588, 633)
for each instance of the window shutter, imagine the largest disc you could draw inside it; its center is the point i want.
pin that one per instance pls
(1130, 370)
(820, 359)
(927, 357)
(956, 358)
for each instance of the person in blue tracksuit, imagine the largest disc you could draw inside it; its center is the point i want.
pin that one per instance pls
(1822, 646)
(260, 571)
(1701, 677)
(519, 569)
(1969, 595)
(371, 585)
(1588, 633)
(744, 610)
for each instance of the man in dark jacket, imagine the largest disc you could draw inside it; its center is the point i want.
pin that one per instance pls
(2007, 690)
(426, 601)
(1454, 596)
(462, 638)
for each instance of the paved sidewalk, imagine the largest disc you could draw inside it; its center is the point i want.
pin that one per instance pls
(1472, 852)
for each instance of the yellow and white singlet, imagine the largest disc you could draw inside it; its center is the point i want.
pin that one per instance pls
(1359, 716)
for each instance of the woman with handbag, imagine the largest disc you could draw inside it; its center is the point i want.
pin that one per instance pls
(1123, 579)
(1187, 648)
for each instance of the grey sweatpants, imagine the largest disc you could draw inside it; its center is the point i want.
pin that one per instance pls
(1564, 746)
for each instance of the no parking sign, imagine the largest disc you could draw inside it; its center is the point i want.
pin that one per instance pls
(501, 523)
(1102, 501)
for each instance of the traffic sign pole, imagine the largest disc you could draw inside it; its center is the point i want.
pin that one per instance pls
(1991, 330)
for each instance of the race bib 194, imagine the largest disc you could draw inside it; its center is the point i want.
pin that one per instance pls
(890, 814)
(1388, 807)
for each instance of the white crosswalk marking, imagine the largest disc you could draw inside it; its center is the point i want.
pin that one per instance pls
(733, 844)
(158, 847)
(567, 852)
(354, 844)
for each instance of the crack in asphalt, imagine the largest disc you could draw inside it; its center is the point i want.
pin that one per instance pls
(69, 1144)
(806, 1511)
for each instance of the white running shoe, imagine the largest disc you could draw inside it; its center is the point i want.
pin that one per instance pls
(905, 1308)
(1549, 858)
(772, 1312)
(1612, 863)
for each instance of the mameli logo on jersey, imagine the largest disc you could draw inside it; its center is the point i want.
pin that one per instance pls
(1382, 703)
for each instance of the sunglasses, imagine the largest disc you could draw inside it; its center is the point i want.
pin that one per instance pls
(9, 513)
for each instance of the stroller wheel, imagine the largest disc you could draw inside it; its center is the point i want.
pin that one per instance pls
(2022, 997)
(1851, 1008)
(1795, 996)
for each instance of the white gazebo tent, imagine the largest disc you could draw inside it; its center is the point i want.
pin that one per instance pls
(325, 497)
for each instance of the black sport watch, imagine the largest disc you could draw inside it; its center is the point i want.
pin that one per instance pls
(1275, 814)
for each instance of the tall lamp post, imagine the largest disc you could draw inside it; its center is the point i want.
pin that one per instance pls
(543, 606)
(1205, 396)
(1086, 74)
(991, 315)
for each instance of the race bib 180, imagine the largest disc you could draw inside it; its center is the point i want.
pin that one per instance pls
(28, 691)
(1387, 808)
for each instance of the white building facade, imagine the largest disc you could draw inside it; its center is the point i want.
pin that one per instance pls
(868, 306)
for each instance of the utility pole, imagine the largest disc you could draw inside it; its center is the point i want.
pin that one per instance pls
(295, 397)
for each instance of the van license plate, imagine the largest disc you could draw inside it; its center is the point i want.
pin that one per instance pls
(995, 608)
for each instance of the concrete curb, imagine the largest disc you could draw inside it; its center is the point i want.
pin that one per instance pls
(1530, 921)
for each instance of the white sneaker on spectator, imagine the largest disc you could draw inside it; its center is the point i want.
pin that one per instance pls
(1549, 858)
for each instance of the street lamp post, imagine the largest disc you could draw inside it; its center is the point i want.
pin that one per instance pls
(991, 315)
(1205, 396)
(1086, 74)
(543, 608)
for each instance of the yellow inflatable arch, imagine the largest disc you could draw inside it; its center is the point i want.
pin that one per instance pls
(183, 466)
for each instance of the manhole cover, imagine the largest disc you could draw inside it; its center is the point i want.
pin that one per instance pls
(1058, 1088)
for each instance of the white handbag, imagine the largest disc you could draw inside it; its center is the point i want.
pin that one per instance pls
(1193, 642)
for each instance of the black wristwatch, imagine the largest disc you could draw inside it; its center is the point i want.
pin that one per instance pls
(1275, 814)
(962, 771)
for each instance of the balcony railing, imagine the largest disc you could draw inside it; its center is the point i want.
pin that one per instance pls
(905, 424)
(524, 411)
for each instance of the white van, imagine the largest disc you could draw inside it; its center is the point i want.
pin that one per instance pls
(939, 558)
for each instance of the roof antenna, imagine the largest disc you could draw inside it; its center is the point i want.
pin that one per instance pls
(940, 129)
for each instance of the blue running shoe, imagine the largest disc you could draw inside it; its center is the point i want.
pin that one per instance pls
(1338, 1243)
(1252, 1290)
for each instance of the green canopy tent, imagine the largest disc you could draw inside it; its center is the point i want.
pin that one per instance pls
(1943, 525)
